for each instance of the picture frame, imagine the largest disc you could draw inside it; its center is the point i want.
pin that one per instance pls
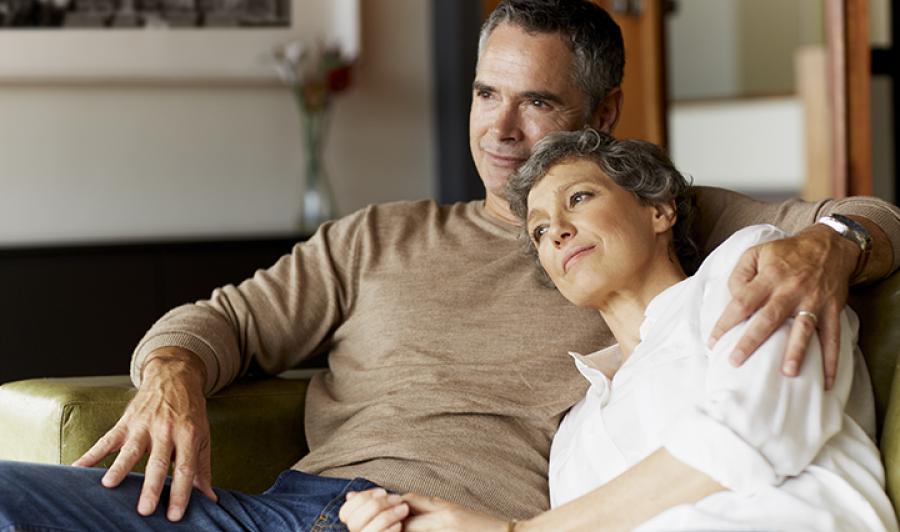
(172, 56)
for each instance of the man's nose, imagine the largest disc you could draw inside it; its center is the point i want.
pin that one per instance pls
(506, 124)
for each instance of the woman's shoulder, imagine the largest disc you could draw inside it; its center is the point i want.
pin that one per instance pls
(724, 258)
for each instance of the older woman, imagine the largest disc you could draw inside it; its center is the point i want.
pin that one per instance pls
(747, 448)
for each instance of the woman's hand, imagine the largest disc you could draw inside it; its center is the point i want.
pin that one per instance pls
(431, 513)
(377, 511)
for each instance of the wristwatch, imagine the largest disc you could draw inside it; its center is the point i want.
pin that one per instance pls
(854, 232)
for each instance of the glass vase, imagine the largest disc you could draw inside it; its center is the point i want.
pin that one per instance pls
(318, 199)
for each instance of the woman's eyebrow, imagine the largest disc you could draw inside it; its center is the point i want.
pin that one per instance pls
(534, 213)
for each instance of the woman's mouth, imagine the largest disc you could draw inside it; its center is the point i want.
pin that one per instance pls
(575, 254)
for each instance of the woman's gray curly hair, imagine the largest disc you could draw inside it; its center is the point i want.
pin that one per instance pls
(637, 166)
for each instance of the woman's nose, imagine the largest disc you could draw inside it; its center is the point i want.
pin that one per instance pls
(561, 233)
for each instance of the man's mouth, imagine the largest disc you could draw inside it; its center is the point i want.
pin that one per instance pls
(574, 254)
(505, 161)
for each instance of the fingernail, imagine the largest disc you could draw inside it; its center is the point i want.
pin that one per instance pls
(380, 492)
(400, 510)
(829, 382)
(175, 513)
(351, 494)
(711, 342)
(144, 508)
(394, 499)
(790, 368)
(736, 357)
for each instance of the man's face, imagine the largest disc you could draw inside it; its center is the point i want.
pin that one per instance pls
(522, 92)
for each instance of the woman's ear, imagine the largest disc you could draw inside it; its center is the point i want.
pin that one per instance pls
(664, 216)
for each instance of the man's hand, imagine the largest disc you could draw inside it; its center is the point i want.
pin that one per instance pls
(166, 418)
(776, 280)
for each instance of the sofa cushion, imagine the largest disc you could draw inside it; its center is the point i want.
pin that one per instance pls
(256, 424)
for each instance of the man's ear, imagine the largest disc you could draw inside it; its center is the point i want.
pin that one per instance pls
(606, 114)
(664, 216)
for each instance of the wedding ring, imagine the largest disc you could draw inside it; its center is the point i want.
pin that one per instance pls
(811, 315)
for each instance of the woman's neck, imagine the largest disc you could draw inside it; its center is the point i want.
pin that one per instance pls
(624, 310)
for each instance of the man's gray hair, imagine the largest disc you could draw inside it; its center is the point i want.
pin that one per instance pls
(593, 36)
(639, 167)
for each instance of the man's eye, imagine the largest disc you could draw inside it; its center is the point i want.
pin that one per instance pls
(482, 94)
(578, 197)
(538, 232)
(539, 103)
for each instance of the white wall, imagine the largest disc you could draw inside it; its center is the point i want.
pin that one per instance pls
(731, 48)
(104, 163)
(754, 146)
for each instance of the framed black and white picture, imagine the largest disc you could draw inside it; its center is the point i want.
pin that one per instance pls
(167, 41)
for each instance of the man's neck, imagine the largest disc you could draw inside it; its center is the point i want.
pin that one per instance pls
(498, 208)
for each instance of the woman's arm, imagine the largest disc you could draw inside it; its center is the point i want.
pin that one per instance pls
(652, 486)
(655, 484)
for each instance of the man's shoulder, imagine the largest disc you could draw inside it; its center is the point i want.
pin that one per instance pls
(421, 214)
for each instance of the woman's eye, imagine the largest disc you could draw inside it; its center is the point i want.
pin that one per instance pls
(578, 197)
(538, 232)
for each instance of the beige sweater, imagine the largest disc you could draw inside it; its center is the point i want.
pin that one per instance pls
(448, 367)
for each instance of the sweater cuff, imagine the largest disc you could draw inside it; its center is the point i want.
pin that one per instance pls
(880, 216)
(185, 341)
(712, 448)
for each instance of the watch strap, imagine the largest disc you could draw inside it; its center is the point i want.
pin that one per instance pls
(854, 232)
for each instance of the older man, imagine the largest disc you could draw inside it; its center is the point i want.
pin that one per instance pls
(448, 374)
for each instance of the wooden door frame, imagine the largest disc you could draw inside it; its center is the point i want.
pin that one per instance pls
(849, 83)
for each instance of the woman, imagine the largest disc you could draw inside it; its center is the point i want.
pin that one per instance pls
(670, 435)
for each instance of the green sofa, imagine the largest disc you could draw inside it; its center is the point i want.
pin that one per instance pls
(257, 425)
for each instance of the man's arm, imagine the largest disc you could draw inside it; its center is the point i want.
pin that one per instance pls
(275, 319)
(810, 271)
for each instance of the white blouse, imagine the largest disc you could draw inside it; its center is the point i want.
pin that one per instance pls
(791, 457)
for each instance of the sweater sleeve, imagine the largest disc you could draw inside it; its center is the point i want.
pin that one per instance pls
(277, 318)
(754, 426)
(720, 213)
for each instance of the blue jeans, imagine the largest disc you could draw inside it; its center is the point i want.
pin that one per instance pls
(38, 497)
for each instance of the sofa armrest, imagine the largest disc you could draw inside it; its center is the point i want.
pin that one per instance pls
(256, 424)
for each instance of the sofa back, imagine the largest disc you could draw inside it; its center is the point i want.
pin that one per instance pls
(878, 307)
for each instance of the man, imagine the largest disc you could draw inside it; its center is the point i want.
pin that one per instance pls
(433, 385)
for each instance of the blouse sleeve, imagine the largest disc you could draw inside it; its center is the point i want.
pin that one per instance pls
(754, 426)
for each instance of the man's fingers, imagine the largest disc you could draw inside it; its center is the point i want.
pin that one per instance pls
(801, 331)
(203, 479)
(830, 336)
(746, 297)
(763, 324)
(182, 478)
(129, 455)
(155, 476)
(105, 446)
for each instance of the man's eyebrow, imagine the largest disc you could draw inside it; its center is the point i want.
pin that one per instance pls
(541, 95)
(478, 86)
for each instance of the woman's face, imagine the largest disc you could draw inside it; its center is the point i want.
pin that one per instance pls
(593, 237)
